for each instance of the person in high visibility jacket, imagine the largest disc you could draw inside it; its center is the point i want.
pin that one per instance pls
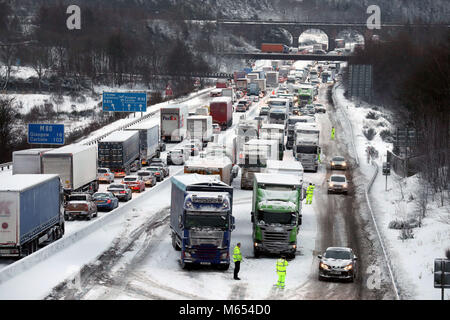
(309, 193)
(333, 132)
(281, 271)
(237, 258)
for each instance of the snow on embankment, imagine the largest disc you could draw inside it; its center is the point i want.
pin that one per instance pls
(413, 258)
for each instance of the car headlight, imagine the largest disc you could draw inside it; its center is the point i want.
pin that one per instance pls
(324, 266)
(332, 163)
(189, 204)
(345, 185)
(349, 267)
(187, 255)
(223, 256)
(344, 164)
(330, 185)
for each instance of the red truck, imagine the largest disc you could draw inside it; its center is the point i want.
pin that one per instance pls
(221, 110)
(221, 84)
(274, 47)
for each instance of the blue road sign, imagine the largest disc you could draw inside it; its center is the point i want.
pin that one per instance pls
(45, 133)
(125, 101)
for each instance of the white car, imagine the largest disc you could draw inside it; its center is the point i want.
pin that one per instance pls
(176, 157)
(337, 183)
(105, 175)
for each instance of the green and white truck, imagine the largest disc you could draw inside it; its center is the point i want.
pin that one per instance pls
(276, 213)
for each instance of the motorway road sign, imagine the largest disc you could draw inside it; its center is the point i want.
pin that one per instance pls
(44, 133)
(125, 101)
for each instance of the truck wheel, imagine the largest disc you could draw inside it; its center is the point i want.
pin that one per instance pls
(96, 214)
(174, 242)
(256, 253)
(89, 217)
(185, 266)
(224, 267)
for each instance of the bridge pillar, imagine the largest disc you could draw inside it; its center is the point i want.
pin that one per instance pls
(295, 40)
(332, 35)
(331, 44)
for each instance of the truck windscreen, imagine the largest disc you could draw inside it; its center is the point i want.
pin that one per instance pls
(203, 221)
(276, 217)
(278, 116)
(307, 149)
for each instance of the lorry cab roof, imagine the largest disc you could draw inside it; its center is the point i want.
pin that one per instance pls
(208, 162)
(272, 126)
(278, 179)
(22, 182)
(306, 126)
(285, 165)
(199, 179)
(221, 100)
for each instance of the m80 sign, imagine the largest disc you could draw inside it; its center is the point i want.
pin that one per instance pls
(45, 133)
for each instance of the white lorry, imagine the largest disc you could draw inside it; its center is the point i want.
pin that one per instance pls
(306, 145)
(200, 127)
(274, 132)
(211, 165)
(28, 161)
(76, 166)
(173, 123)
(253, 158)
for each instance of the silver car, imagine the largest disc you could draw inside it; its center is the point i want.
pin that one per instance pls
(176, 157)
(338, 184)
(105, 175)
(338, 263)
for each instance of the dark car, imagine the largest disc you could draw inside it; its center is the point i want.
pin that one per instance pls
(135, 166)
(157, 162)
(264, 111)
(105, 201)
(157, 171)
(320, 108)
(338, 163)
(338, 263)
(121, 191)
(80, 205)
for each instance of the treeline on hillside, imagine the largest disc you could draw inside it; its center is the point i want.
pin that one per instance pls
(112, 44)
(411, 72)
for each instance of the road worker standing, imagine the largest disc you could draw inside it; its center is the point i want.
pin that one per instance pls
(281, 272)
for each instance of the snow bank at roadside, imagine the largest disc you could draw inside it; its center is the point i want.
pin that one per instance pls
(412, 259)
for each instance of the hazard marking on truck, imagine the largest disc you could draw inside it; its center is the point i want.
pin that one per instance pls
(4, 207)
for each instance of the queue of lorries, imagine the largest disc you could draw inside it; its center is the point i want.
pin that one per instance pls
(201, 202)
(51, 186)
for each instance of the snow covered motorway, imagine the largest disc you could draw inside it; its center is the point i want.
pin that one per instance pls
(128, 253)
